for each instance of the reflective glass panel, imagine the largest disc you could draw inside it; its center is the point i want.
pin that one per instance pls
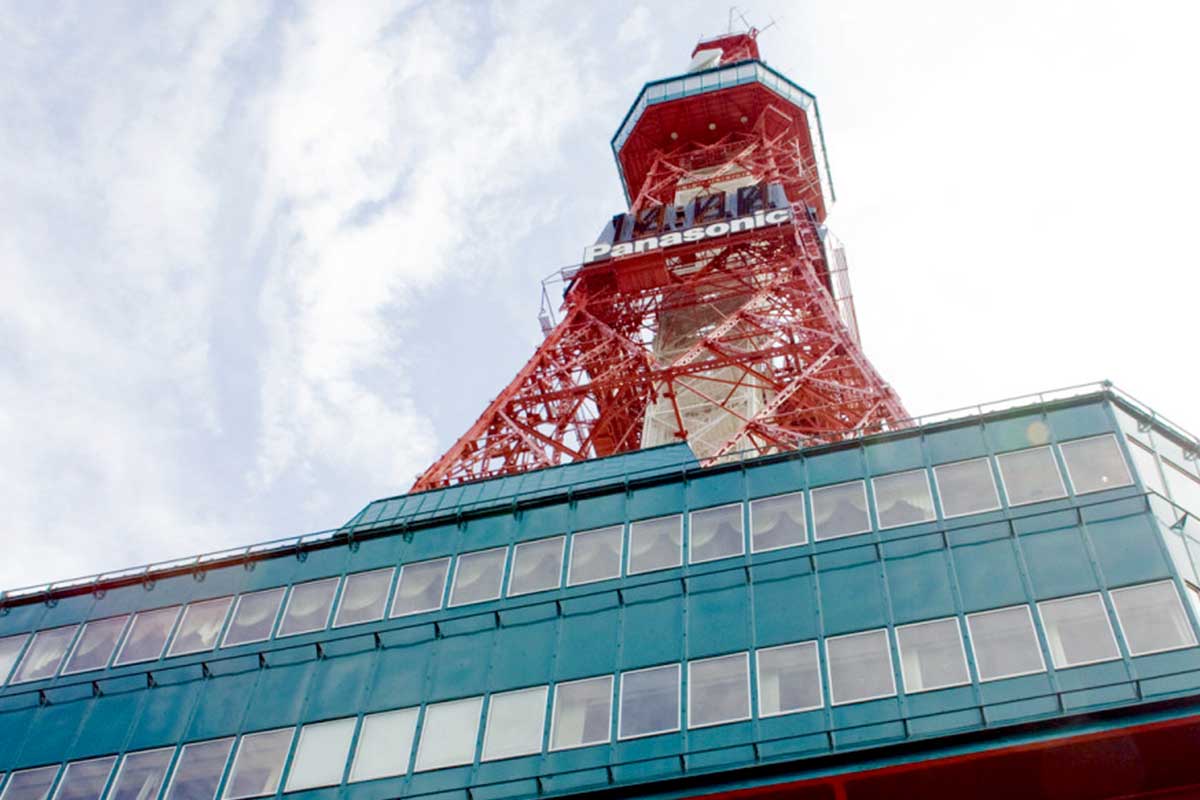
(966, 487)
(1030, 476)
(715, 533)
(308, 607)
(448, 734)
(931, 655)
(1152, 618)
(1183, 484)
(478, 577)
(147, 635)
(655, 544)
(141, 775)
(515, 721)
(200, 626)
(595, 555)
(84, 780)
(253, 617)
(718, 690)
(10, 651)
(30, 784)
(903, 499)
(860, 667)
(364, 597)
(95, 645)
(421, 587)
(44, 654)
(840, 510)
(777, 522)
(321, 754)
(1095, 464)
(649, 701)
(537, 566)
(1004, 643)
(789, 679)
(384, 744)
(258, 764)
(582, 711)
(1147, 466)
(1077, 630)
(198, 770)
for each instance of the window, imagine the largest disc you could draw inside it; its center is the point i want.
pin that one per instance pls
(85, 780)
(384, 745)
(258, 765)
(200, 626)
(860, 667)
(421, 588)
(140, 775)
(30, 784)
(515, 721)
(198, 770)
(44, 654)
(1030, 476)
(966, 487)
(308, 607)
(649, 702)
(478, 577)
(777, 522)
(364, 597)
(715, 533)
(1184, 485)
(840, 510)
(253, 617)
(95, 645)
(582, 710)
(147, 636)
(932, 655)
(903, 499)
(595, 556)
(718, 690)
(321, 754)
(1077, 630)
(655, 544)
(1152, 618)
(789, 679)
(1004, 643)
(537, 566)
(1095, 464)
(448, 734)
(10, 651)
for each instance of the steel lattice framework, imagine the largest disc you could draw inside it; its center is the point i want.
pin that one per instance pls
(731, 346)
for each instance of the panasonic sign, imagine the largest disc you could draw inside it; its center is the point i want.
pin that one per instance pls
(759, 219)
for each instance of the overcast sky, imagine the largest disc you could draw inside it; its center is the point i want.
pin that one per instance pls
(263, 262)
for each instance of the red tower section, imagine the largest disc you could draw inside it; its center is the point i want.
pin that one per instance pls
(715, 311)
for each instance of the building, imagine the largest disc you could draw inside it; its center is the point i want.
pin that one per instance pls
(1000, 602)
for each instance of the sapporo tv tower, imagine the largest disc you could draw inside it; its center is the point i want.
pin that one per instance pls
(715, 311)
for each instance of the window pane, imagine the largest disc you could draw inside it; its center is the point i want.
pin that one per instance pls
(478, 577)
(421, 587)
(141, 775)
(840, 510)
(45, 653)
(84, 780)
(777, 522)
(198, 771)
(384, 745)
(655, 544)
(448, 734)
(1152, 618)
(581, 713)
(364, 596)
(860, 667)
(308, 607)
(10, 651)
(931, 655)
(903, 499)
(1030, 476)
(254, 617)
(966, 487)
(30, 784)
(95, 645)
(1004, 643)
(789, 679)
(595, 556)
(719, 690)
(715, 533)
(200, 626)
(1183, 484)
(537, 566)
(1147, 466)
(147, 635)
(649, 701)
(515, 721)
(1095, 464)
(321, 754)
(1077, 630)
(258, 764)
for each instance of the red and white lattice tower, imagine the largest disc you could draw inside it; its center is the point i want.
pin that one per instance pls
(716, 311)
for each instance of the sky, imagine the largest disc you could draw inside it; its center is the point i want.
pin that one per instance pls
(263, 262)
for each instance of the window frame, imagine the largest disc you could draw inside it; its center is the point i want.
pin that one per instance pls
(1062, 484)
(424, 728)
(237, 604)
(356, 744)
(1103, 608)
(608, 733)
(116, 661)
(691, 527)
(1036, 639)
(15, 677)
(117, 645)
(298, 742)
(962, 648)
(66, 770)
(443, 596)
(745, 654)
(1130, 480)
(487, 724)
(804, 514)
(621, 702)
(218, 791)
(933, 506)
(20, 654)
(629, 571)
(895, 692)
(168, 769)
(182, 620)
(287, 604)
(51, 789)
(512, 570)
(500, 584)
(231, 765)
(621, 535)
(1182, 611)
(341, 597)
(817, 537)
(816, 649)
(942, 495)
